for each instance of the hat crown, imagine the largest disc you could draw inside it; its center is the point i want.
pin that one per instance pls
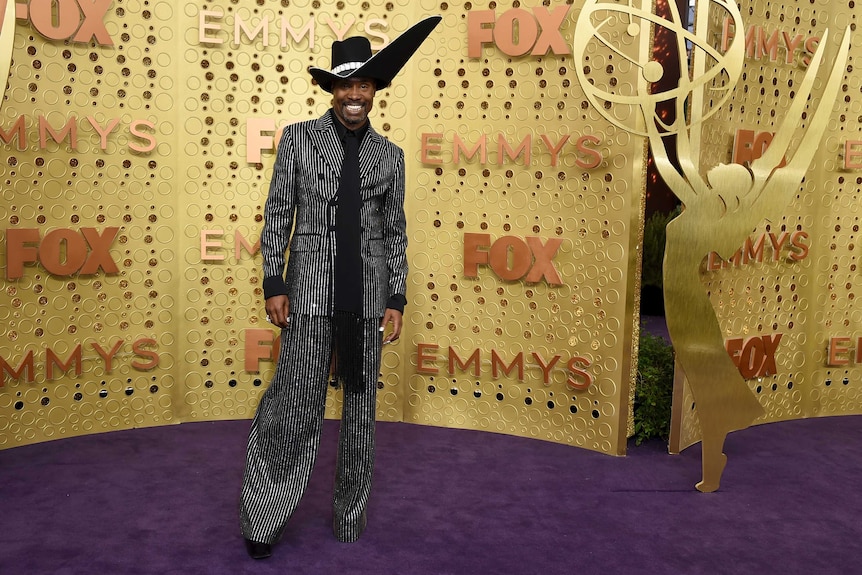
(354, 50)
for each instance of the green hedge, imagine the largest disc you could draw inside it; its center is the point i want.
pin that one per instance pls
(654, 391)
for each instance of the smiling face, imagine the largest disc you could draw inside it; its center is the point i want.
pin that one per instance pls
(352, 99)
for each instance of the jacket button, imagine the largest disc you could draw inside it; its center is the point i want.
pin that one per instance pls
(331, 228)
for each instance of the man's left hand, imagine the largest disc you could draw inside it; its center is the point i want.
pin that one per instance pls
(394, 317)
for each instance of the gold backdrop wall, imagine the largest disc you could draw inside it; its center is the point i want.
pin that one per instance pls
(797, 295)
(138, 133)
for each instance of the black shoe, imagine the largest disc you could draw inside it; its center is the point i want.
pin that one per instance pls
(258, 550)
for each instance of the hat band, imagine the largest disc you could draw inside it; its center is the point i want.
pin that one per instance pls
(347, 66)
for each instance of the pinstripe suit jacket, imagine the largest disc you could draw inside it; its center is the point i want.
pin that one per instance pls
(300, 214)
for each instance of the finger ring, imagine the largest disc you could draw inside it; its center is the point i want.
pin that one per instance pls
(269, 320)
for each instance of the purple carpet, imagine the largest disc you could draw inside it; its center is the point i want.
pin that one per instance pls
(164, 501)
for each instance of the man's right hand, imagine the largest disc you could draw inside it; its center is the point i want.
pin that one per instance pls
(278, 310)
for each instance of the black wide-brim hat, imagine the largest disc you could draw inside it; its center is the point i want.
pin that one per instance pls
(352, 58)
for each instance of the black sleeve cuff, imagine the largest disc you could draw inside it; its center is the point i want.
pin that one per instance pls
(273, 286)
(397, 302)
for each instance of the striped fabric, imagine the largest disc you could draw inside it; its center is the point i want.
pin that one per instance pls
(300, 215)
(285, 434)
(302, 199)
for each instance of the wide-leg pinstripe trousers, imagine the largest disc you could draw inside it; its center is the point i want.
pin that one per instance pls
(285, 434)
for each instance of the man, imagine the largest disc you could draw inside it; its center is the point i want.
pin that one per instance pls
(337, 200)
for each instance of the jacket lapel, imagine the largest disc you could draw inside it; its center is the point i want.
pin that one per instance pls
(325, 141)
(370, 153)
(324, 138)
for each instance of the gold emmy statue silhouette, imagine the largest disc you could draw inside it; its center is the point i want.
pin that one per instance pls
(7, 38)
(720, 210)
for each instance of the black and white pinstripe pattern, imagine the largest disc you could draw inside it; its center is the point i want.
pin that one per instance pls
(285, 434)
(356, 441)
(301, 200)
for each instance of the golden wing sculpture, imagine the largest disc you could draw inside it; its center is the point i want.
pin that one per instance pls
(7, 38)
(720, 210)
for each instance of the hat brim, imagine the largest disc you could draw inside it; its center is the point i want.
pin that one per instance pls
(383, 66)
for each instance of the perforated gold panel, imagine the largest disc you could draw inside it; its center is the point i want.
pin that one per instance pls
(154, 154)
(796, 293)
(577, 182)
(95, 350)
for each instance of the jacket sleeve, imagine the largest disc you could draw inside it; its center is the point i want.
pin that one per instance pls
(279, 214)
(395, 236)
